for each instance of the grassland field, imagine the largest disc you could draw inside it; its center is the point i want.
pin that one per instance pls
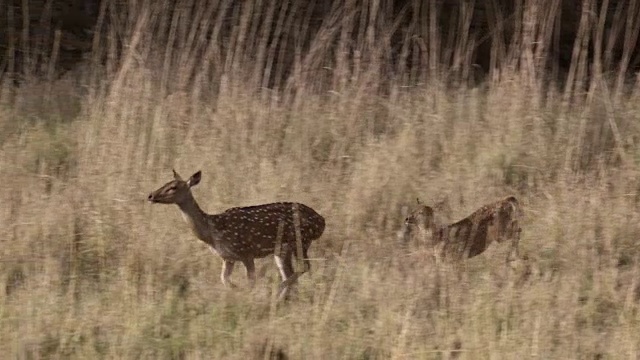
(90, 270)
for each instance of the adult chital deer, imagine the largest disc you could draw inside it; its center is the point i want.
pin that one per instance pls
(471, 236)
(246, 233)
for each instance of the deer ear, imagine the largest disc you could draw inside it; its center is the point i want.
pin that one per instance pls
(176, 176)
(194, 179)
(430, 212)
(418, 201)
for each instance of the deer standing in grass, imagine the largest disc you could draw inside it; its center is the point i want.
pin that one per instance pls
(246, 233)
(471, 236)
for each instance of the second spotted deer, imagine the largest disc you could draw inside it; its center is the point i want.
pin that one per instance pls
(242, 234)
(496, 222)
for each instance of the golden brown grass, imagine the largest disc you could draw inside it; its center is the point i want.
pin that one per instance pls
(88, 269)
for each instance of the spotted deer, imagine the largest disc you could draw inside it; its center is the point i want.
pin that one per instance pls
(471, 236)
(243, 234)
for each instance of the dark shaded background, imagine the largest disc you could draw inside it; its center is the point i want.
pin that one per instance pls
(28, 29)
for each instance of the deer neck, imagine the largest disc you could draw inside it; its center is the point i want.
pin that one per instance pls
(428, 226)
(195, 218)
(432, 230)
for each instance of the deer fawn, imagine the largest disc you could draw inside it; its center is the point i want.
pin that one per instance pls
(246, 233)
(471, 236)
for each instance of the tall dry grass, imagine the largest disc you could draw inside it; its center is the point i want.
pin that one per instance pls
(90, 270)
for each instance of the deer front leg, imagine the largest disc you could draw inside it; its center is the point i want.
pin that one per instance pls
(251, 271)
(514, 253)
(227, 269)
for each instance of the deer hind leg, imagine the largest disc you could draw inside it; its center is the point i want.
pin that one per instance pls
(289, 276)
(225, 275)
(284, 265)
(251, 271)
(305, 259)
